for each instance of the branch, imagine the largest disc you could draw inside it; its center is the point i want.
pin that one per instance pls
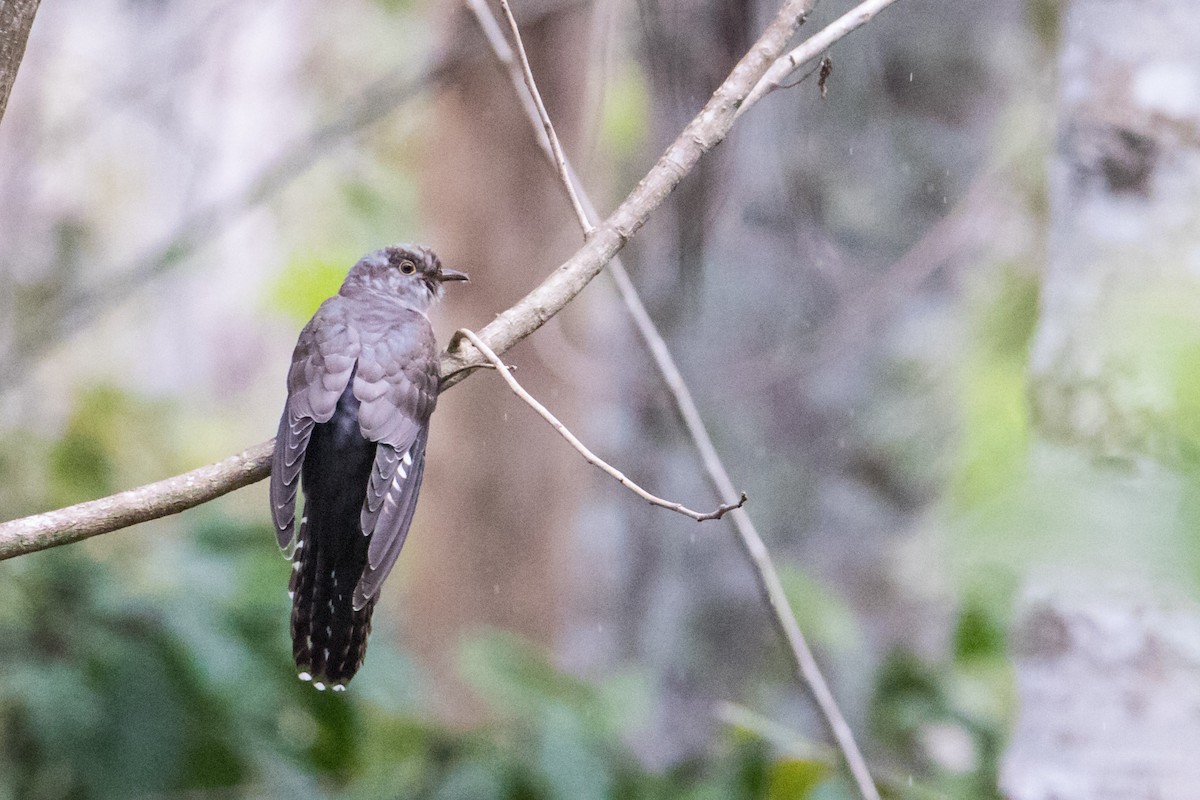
(812, 48)
(703, 133)
(154, 500)
(587, 454)
(752, 544)
(16, 18)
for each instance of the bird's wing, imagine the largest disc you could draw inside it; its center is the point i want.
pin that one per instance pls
(393, 519)
(396, 386)
(322, 364)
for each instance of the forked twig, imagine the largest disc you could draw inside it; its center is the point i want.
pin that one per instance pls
(812, 48)
(587, 454)
(753, 545)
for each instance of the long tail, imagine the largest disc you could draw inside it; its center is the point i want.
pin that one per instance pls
(329, 638)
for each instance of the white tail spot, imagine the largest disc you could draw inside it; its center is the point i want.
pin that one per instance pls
(320, 687)
(339, 687)
(305, 676)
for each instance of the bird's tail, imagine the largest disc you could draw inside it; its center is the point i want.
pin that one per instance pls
(329, 637)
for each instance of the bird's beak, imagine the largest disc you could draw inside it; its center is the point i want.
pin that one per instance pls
(451, 275)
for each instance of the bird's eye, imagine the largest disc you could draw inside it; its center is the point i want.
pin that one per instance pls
(408, 267)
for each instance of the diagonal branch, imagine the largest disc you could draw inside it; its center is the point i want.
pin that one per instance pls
(752, 544)
(706, 130)
(588, 455)
(16, 19)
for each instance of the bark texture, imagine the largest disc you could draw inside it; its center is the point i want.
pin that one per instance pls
(1124, 250)
(16, 19)
(1110, 702)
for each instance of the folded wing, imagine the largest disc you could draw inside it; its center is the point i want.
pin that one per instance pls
(322, 365)
(396, 386)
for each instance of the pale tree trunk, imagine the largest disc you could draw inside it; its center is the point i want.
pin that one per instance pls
(1108, 705)
(497, 557)
(1124, 228)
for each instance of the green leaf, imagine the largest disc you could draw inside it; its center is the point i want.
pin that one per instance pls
(307, 281)
(795, 779)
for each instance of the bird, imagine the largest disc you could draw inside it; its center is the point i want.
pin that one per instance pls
(361, 388)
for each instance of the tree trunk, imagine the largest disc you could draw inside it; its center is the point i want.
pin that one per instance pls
(1108, 705)
(495, 212)
(1120, 295)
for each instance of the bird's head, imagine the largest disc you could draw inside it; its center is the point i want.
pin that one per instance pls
(410, 273)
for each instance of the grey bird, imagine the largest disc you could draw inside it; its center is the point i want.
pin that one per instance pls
(362, 386)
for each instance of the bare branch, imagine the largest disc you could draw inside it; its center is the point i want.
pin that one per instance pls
(560, 160)
(752, 544)
(813, 48)
(748, 535)
(154, 500)
(587, 454)
(16, 19)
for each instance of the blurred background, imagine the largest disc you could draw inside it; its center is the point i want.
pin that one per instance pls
(941, 323)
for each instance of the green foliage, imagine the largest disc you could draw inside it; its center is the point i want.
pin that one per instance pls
(175, 677)
(793, 778)
(110, 439)
(996, 424)
(306, 281)
(951, 718)
(623, 122)
(827, 621)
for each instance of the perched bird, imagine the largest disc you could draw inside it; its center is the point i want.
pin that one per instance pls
(361, 389)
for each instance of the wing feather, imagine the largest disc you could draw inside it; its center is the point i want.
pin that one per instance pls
(322, 364)
(391, 527)
(396, 385)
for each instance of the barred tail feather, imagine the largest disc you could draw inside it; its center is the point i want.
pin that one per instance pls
(329, 637)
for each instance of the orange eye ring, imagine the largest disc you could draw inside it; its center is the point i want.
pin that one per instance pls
(408, 267)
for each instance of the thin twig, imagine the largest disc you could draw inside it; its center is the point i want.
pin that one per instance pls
(752, 544)
(812, 48)
(587, 454)
(560, 159)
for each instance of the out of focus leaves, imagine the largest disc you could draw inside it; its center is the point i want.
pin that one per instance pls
(306, 281)
(827, 621)
(793, 779)
(110, 439)
(996, 424)
(951, 719)
(625, 115)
